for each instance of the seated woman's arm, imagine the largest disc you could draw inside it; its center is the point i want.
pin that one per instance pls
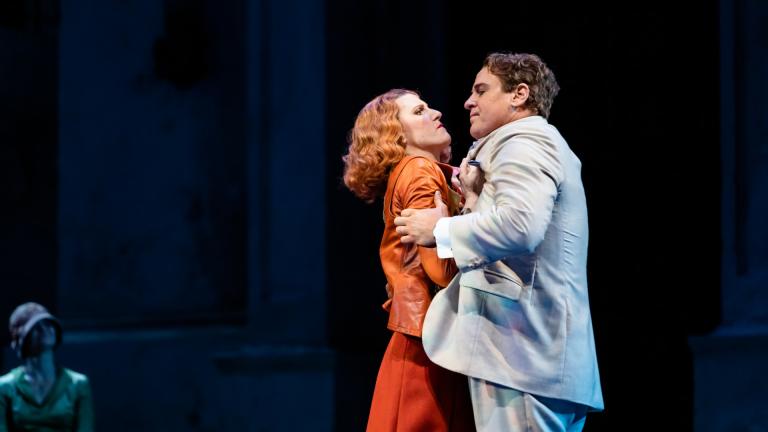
(4, 412)
(84, 409)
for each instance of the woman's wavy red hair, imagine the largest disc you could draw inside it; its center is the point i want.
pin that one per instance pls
(376, 144)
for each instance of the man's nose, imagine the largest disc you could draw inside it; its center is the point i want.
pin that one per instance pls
(469, 103)
(436, 115)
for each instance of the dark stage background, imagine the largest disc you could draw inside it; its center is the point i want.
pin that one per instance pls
(638, 105)
(172, 190)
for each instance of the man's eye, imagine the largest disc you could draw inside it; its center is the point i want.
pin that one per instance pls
(420, 110)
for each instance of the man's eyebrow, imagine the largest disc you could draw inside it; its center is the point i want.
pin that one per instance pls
(477, 86)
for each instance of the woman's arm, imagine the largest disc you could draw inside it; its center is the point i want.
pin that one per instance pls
(4, 412)
(84, 409)
(420, 179)
(440, 271)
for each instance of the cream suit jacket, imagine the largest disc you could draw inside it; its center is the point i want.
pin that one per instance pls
(518, 313)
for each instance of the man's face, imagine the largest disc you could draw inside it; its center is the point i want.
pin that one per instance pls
(489, 106)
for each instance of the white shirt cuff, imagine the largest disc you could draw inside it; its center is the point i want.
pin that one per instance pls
(443, 238)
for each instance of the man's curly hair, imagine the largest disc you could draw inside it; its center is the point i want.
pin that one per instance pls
(513, 69)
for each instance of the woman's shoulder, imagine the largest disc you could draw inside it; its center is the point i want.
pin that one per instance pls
(76, 378)
(10, 379)
(419, 168)
(76, 382)
(417, 162)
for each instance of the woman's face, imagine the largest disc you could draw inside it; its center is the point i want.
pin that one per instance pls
(42, 337)
(421, 124)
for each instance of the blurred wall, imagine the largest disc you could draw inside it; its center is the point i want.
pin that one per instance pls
(172, 148)
(729, 362)
(29, 153)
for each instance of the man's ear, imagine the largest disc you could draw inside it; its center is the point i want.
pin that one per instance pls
(519, 95)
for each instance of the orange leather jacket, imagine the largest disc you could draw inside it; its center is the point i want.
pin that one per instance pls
(413, 273)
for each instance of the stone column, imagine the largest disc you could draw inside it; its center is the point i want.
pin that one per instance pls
(283, 379)
(152, 277)
(730, 378)
(28, 151)
(285, 120)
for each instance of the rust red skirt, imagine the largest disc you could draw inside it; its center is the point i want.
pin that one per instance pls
(413, 394)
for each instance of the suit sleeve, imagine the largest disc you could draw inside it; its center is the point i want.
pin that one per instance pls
(525, 172)
(419, 193)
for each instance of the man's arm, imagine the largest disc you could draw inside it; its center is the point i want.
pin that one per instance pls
(525, 174)
(428, 227)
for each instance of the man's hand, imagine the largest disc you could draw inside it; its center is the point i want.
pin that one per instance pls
(416, 225)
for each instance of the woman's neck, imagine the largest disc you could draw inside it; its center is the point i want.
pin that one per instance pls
(41, 366)
(415, 151)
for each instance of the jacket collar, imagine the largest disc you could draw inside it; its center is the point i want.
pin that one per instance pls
(25, 390)
(507, 128)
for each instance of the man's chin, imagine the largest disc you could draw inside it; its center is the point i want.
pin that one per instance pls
(476, 134)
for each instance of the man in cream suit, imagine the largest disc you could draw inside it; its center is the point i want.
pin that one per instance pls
(516, 319)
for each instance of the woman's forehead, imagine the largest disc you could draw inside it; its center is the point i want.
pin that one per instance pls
(409, 100)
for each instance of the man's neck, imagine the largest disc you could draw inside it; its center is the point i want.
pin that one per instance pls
(522, 113)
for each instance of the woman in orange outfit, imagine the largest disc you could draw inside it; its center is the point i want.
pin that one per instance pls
(395, 151)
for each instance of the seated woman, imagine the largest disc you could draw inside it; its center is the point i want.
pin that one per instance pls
(38, 395)
(395, 149)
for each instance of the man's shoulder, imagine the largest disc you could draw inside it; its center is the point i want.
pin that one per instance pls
(526, 125)
(533, 129)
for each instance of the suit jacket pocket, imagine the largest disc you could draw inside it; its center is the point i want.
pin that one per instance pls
(492, 282)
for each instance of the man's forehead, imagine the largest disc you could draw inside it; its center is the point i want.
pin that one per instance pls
(484, 77)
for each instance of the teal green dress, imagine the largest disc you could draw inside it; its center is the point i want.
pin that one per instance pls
(67, 407)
